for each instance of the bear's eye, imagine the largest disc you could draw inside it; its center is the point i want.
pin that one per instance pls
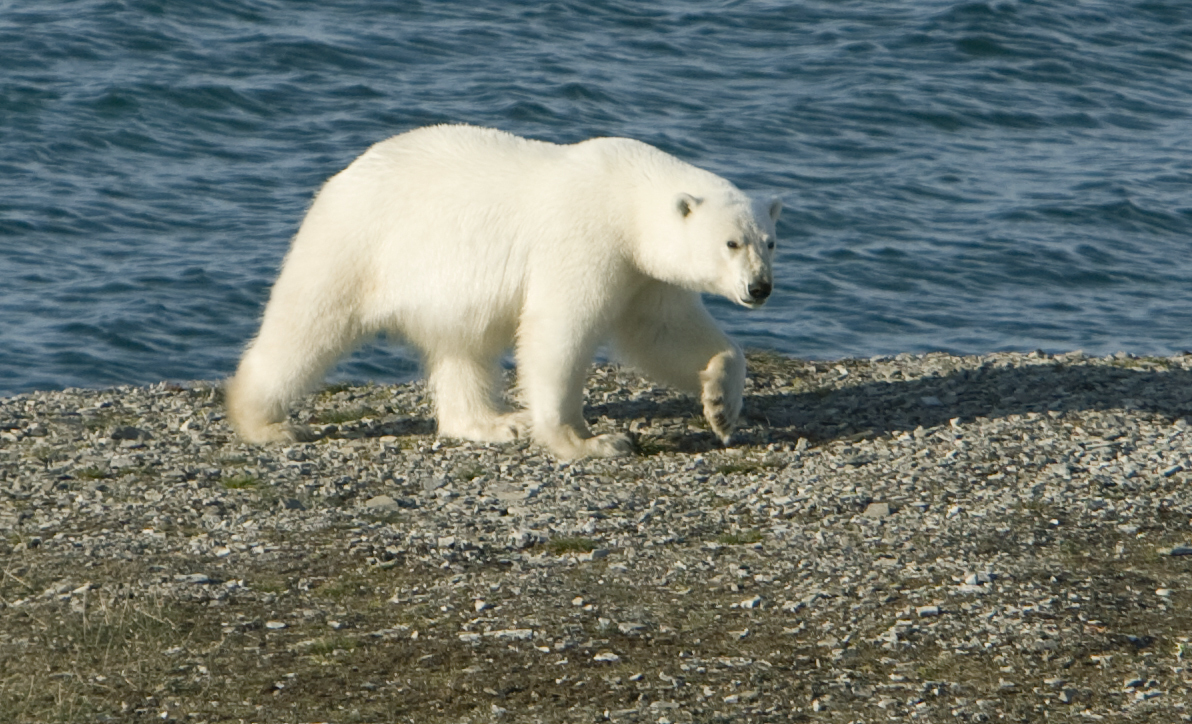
(770, 245)
(733, 245)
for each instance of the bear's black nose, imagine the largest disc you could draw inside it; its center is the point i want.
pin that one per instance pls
(760, 290)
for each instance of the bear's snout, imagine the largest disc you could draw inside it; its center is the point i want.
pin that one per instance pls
(759, 291)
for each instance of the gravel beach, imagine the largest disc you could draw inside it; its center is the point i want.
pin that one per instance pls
(920, 537)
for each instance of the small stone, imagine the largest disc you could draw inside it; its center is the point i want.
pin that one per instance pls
(593, 555)
(877, 511)
(1132, 682)
(607, 657)
(751, 602)
(630, 628)
(222, 552)
(292, 504)
(511, 634)
(523, 539)
(577, 601)
(275, 625)
(128, 432)
(469, 638)
(977, 579)
(1180, 550)
(480, 605)
(927, 611)
(1163, 592)
(381, 504)
(196, 578)
(1067, 696)
(929, 401)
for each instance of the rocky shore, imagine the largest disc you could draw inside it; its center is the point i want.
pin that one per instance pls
(930, 538)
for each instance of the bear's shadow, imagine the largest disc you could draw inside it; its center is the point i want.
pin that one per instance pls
(873, 408)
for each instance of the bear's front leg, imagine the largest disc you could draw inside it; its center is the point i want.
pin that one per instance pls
(666, 333)
(722, 387)
(552, 363)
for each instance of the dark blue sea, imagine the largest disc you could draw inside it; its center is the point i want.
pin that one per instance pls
(959, 176)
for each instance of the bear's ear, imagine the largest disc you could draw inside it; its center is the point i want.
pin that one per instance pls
(686, 203)
(775, 209)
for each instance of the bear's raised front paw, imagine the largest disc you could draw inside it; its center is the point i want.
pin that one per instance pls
(722, 420)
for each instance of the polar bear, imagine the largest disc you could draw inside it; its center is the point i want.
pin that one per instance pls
(468, 241)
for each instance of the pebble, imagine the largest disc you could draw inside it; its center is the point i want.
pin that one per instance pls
(877, 510)
(197, 578)
(381, 503)
(511, 634)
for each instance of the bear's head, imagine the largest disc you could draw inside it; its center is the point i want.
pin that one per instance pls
(720, 242)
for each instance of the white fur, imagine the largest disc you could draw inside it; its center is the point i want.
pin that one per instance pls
(467, 241)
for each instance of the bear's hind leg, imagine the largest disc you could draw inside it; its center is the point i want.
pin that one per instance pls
(290, 354)
(466, 404)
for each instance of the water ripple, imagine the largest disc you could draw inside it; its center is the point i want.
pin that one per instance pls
(968, 176)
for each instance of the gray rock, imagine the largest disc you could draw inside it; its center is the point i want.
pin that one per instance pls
(128, 432)
(197, 578)
(381, 504)
(878, 511)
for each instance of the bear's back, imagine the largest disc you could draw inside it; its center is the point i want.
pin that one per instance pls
(470, 149)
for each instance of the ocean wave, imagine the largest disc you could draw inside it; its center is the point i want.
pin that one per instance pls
(957, 175)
